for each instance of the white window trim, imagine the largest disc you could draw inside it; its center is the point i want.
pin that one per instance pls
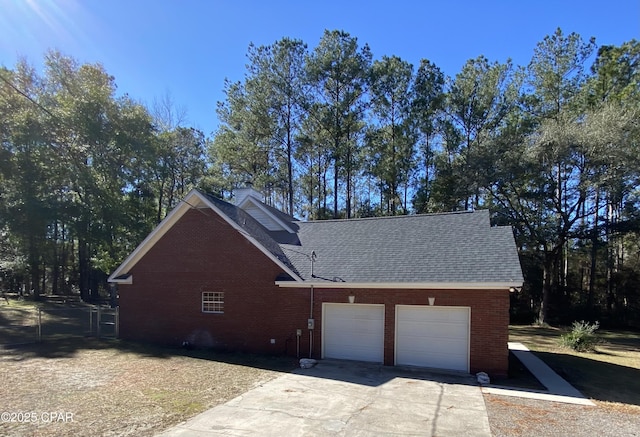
(215, 300)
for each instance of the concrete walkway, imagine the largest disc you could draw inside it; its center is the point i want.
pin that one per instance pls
(349, 399)
(559, 390)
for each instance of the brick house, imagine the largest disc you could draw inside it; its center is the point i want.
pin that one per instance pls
(426, 290)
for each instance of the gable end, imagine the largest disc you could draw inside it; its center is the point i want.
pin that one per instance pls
(194, 199)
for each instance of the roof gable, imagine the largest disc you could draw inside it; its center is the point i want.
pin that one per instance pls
(239, 220)
(269, 217)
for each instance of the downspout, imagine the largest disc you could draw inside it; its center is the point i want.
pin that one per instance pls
(311, 318)
(311, 325)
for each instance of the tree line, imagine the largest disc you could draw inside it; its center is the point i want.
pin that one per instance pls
(551, 148)
(84, 174)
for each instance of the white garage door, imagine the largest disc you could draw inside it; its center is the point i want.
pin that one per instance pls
(353, 332)
(430, 336)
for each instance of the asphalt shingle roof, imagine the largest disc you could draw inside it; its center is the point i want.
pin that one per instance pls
(452, 247)
(427, 248)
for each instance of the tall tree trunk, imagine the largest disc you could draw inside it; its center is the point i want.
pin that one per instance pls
(594, 257)
(335, 189)
(321, 193)
(310, 196)
(348, 170)
(55, 268)
(405, 194)
(610, 254)
(83, 268)
(349, 206)
(324, 189)
(160, 200)
(561, 272)
(289, 161)
(43, 288)
(34, 267)
(547, 273)
(63, 261)
(94, 287)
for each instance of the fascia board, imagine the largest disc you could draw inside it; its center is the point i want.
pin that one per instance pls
(151, 239)
(403, 285)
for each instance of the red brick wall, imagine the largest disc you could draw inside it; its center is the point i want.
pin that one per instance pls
(489, 319)
(202, 252)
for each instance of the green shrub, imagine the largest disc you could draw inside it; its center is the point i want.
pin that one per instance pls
(582, 337)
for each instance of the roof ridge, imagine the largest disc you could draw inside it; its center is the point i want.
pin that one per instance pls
(431, 214)
(273, 208)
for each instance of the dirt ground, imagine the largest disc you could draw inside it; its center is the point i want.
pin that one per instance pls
(518, 417)
(82, 387)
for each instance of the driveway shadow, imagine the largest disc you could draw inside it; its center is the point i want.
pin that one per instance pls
(373, 375)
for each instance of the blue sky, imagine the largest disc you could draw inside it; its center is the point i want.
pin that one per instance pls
(188, 47)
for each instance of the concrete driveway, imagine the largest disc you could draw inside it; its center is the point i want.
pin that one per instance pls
(338, 398)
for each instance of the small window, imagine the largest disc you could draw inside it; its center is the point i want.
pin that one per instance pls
(213, 302)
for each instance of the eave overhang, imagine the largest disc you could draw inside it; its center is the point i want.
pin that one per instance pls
(123, 279)
(403, 285)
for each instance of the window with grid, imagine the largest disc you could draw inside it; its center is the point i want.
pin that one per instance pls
(213, 302)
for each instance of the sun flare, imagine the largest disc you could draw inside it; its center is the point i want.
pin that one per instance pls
(41, 25)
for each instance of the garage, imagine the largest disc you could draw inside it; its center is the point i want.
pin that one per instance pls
(432, 336)
(353, 332)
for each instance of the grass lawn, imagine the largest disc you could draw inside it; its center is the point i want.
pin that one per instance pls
(611, 374)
